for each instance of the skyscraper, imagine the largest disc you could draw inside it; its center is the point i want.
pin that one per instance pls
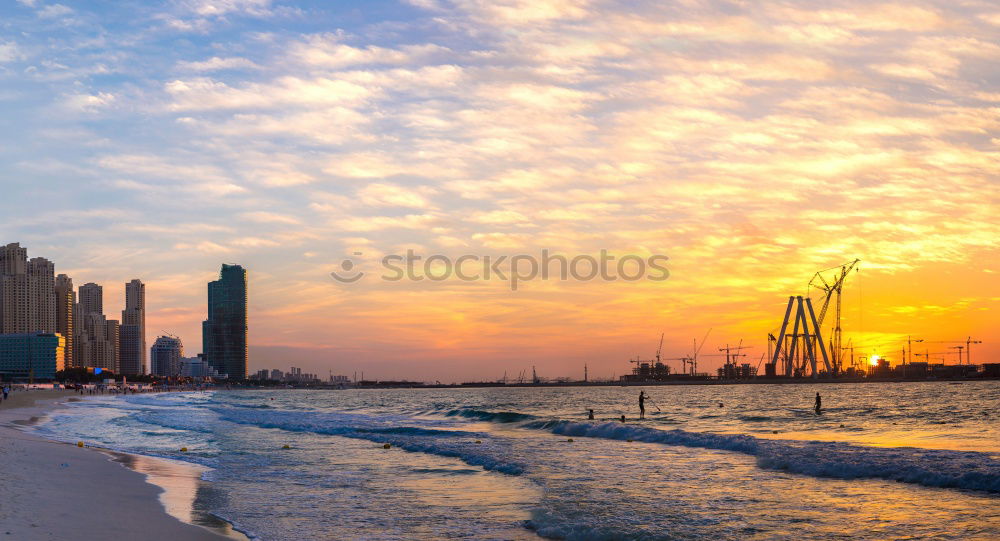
(224, 333)
(165, 356)
(65, 301)
(97, 338)
(91, 299)
(132, 357)
(27, 294)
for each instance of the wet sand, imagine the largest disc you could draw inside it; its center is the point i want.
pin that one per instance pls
(53, 490)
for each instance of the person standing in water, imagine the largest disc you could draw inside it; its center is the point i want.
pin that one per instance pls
(819, 403)
(642, 404)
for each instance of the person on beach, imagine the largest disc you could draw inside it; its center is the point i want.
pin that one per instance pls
(819, 403)
(642, 404)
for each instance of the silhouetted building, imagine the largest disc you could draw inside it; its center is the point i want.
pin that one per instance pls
(197, 368)
(132, 355)
(165, 356)
(224, 333)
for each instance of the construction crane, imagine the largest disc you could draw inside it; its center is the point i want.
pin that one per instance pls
(696, 349)
(830, 287)
(968, 347)
(659, 348)
(959, 348)
(737, 349)
(729, 370)
(683, 360)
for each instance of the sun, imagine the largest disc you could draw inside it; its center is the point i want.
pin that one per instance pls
(873, 360)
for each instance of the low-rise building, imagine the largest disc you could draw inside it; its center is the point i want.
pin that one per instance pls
(31, 355)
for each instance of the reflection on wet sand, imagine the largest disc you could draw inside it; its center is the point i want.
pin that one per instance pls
(185, 496)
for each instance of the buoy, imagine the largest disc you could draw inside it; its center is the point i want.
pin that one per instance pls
(479, 441)
(79, 444)
(841, 426)
(570, 440)
(184, 449)
(387, 446)
(285, 446)
(630, 441)
(774, 432)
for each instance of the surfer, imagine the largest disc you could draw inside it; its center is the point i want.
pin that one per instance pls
(819, 403)
(590, 414)
(642, 404)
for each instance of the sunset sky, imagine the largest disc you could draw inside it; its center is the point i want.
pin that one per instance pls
(752, 143)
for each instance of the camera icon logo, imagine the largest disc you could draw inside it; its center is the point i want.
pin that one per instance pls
(347, 274)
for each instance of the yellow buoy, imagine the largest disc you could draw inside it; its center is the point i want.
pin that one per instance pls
(285, 446)
(184, 449)
(774, 431)
(387, 446)
(630, 441)
(570, 440)
(79, 444)
(479, 441)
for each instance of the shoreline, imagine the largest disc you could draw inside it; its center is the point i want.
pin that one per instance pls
(57, 490)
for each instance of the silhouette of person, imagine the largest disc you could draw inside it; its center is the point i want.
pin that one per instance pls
(819, 403)
(642, 404)
(623, 418)
(590, 414)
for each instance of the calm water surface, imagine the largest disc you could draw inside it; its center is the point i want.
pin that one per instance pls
(883, 461)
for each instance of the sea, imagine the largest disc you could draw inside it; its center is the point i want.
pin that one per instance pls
(719, 462)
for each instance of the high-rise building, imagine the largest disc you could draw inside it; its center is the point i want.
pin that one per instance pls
(27, 294)
(165, 356)
(97, 338)
(13, 289)
(224, 333)
(65, 301)
(133, 330)
(91, 299)
(41, 296)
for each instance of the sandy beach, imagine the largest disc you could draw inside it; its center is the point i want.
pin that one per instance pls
(53, 490)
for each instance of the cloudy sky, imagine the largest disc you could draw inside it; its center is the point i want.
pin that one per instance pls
(752, 143)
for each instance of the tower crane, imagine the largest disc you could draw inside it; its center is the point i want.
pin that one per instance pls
(737, 349)
(831, 287)
(696, 349)
(968, 347)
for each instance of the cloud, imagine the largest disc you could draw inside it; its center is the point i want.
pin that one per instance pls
(217, 8)
(54, 10)
(216, 64)
(89, 102)
(753, 144)
(9, 51)
(393, 195)
(328, 51)
(265, 217)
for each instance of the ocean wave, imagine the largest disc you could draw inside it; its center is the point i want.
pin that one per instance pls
(492, 416)
(933, 468)
(472, 448)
